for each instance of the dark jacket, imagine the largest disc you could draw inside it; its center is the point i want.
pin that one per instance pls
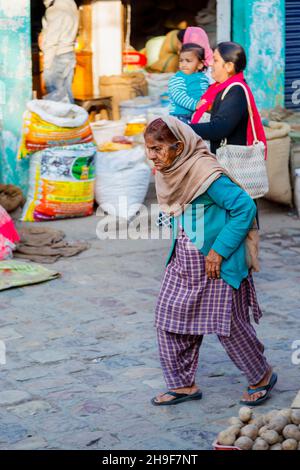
(229, 119)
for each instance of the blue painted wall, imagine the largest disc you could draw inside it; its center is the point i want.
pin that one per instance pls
(258, 25)
(15, 86)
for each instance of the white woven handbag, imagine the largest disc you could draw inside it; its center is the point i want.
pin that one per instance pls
(246, 163)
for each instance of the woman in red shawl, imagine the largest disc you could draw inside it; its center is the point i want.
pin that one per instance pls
(229, 117)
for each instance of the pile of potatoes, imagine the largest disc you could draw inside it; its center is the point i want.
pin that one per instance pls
(277, 430)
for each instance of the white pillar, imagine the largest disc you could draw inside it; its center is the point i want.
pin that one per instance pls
(223, 20)
(107, 21)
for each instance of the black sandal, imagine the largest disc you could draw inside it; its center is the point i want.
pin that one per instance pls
(179, 398)
(266, 388)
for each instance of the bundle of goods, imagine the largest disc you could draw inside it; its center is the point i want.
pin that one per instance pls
(11, 197)
(158, 85)
(122, 181)
(46, 245)
(8, 235)
(147, 108)
(153, 47)
(168, 55)
(61, 183)
(278, 142)
(137, 107)
(123, 87)
(277, 430)
(51, 124)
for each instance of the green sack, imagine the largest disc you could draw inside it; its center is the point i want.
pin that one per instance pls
(18, 274)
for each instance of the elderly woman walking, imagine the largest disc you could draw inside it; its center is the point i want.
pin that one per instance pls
(207, 287)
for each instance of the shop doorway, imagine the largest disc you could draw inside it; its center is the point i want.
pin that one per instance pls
(151, 18)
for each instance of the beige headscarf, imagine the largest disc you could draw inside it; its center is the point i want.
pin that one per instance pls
(191, 173)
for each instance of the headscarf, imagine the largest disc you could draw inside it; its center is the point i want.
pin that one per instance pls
(210, 95)
(191, 173)
(197, 35)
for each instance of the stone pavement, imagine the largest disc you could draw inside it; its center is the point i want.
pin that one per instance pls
(82, 362)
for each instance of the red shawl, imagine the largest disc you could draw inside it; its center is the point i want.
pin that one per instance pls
(210, 96)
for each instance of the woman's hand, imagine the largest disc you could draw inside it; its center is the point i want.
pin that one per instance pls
(213, 265)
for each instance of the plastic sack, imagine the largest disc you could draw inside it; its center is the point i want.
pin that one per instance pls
(50, 124)
(18, 274)
(122, 181)
(153, 47)
(158, 83)
(61, 183)
(137, 106)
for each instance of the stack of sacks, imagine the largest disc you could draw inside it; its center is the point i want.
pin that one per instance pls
(59, 140)
(51, 124)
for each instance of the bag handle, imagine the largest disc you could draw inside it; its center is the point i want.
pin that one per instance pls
(249, 106)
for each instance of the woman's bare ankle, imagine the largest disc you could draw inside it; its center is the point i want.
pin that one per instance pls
(191, 389)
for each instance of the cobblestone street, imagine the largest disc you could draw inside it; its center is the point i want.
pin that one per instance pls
(82, 361)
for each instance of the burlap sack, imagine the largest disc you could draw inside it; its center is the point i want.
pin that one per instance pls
(122, 88)
(168, 57)
(11, 197)
(278, 142)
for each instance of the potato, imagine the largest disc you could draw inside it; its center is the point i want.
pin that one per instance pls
(269, 416)
(291, 431)
(295, 416)
(245, 414)
(276, 447)
(287, 413)
(290, 444)
(244, 443)
(299, 446)
(235, 429)
(260, 444)
(234, 421)
(257, 421)
(271, 437)
(262, 430)
(278, 423)
(250, 431)
(226, 438)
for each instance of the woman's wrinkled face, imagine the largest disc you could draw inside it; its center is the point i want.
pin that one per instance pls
(162, 154)
(221, 70)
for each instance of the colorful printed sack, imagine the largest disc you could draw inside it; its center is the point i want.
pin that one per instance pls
(61, 183)
(51, 124)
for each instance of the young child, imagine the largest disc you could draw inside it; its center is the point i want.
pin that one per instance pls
(188, 85)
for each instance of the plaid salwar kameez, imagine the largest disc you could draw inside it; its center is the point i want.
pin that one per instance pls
(190, 305)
